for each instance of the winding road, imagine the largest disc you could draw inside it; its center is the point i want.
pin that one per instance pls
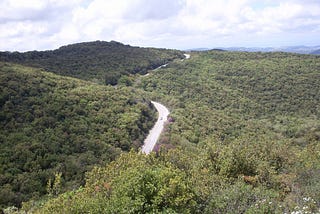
(156, 131)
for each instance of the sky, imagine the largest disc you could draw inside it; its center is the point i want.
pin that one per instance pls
(179, 24)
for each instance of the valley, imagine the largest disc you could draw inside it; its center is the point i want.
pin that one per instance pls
(243, 136)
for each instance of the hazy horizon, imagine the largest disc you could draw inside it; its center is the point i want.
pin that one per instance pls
(315, 47)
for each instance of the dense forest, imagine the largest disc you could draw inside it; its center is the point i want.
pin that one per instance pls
(101, 62)
(217, 95)
(51, 124)
(243, 137)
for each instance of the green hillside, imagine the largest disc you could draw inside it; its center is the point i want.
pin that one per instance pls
(215, 95)
(51, 124)
(245, 138)
(102, 62)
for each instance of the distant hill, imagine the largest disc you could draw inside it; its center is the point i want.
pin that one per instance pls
(317, 52)
(99, 61)
(289, 49)
(52, 124)
(198, 49)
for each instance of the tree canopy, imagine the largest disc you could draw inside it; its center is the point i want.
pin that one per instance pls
(52, 124)
(99, 61)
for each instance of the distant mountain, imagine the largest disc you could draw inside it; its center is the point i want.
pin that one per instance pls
(299, 49)
(245, 49)
(317, 52)
(205, 49)
(198, 49)
(99, 61)
(289, 49)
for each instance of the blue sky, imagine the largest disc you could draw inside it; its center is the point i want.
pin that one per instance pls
(181, 24)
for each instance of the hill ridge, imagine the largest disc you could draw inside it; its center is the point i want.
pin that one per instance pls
(98, 61)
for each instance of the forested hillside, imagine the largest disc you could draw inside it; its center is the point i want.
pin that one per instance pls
(244, 139)
(102, 62)
(52, 125)
(217, 94)
(254, 114)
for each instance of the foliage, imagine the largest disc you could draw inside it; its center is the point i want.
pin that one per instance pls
(256, 113)
(102, 62)
(57, 125)
(173, 181)
(134, 183)
(243, 138)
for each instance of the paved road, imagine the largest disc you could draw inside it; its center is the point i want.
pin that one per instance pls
(187, 56)
(161, 66)
(155, 132)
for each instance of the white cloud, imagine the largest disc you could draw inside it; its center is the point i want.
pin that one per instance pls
(165, 23)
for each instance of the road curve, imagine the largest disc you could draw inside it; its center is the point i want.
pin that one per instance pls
(155, 132)
(163, 112)
(187, 56)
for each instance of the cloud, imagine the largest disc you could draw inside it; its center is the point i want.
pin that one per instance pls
(28, 25)
(21, 10)
(287, 16)
(47, 24)
(153, 10)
